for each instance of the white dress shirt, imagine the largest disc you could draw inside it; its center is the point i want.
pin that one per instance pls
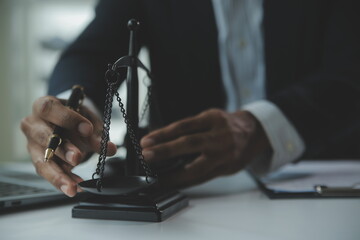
(241, 52)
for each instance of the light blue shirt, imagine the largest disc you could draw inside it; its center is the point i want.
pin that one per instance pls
(241, 52)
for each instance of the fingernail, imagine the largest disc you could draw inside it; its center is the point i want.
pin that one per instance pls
(84, 128)
(147, 142)
(69, 156)
(148, 155)
(64, 189)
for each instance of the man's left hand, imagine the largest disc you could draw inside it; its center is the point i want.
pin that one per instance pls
(225, 142)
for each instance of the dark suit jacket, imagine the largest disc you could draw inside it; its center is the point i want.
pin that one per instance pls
(312, 58)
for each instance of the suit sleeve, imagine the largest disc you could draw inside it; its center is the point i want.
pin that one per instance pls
(325, 107)
(102, 42)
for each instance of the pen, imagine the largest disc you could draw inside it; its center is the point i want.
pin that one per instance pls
(337, 191)
(74, 101)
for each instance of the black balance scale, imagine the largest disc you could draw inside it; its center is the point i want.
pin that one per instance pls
(129, 196)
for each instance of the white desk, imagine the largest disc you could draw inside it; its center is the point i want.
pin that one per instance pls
(226, 208)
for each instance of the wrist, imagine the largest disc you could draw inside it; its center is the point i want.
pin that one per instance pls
(258, 141)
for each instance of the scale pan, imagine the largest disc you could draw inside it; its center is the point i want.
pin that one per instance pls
(118, 185)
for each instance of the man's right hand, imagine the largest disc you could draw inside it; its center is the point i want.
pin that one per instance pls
(82, 137)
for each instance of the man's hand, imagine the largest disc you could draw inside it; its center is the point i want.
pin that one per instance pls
(83, 136)
(225, 142)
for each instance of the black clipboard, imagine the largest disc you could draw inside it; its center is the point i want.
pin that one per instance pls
(317, 191)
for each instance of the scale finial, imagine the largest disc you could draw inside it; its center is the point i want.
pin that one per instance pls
(133, 24)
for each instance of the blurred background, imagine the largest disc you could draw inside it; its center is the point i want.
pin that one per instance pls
(33, 35)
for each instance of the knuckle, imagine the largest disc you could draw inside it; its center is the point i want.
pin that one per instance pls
(43, 138)
(217, 112)
(184, 140)
(191, 141)
(43, 105)
(213, 111)
(32, 134)
(219, 116)
(24, 125)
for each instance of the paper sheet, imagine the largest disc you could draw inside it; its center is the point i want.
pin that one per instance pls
(306, 174)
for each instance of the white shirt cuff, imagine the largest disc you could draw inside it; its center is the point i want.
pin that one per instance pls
(287, 144)
(87, 102)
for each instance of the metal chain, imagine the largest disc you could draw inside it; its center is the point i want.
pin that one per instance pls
(105, 133)
(134, 140)
(145, 105)
(111, 91)
(146, 100)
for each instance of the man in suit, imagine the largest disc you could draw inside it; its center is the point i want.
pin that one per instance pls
(289, 89)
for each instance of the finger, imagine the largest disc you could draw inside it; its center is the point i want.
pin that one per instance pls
(186, 126)
(85, 147)
(67, 169)
(94, 118)
(82, 149)
(94, 145)
(70, 153)
(194, 173)
(51, 171)
(189, 144)
(52, 110)
(64, 165)
(77, 179)
(38, 131)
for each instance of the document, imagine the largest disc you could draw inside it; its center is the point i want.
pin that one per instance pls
(306, 178)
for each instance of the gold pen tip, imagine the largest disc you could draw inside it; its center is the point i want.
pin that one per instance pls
(48, 154)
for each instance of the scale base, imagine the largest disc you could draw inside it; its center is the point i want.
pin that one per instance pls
(147, 207)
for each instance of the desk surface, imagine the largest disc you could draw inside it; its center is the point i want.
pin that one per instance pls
(225, 208)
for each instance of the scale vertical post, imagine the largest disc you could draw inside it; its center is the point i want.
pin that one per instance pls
(132, 82)
(151, 204)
